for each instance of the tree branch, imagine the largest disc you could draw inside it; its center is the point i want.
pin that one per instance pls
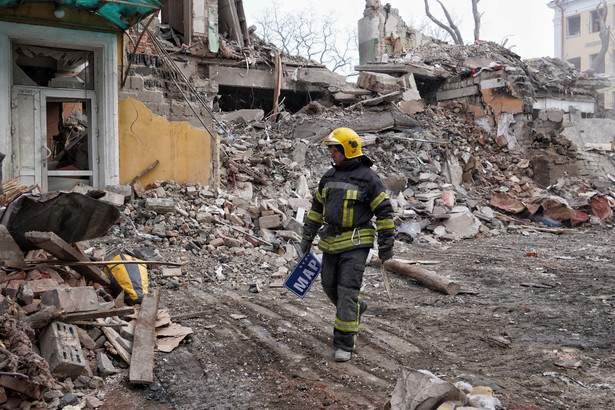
(452, 32)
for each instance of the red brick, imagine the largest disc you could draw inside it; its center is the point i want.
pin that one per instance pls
(21, 386)
(85, 339)
(21, 275)
(43, 285)
(12, 288)
(32, 307)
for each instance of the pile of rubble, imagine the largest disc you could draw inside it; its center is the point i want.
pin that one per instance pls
(447, 177)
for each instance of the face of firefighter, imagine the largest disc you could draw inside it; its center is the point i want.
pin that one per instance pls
(336, 156)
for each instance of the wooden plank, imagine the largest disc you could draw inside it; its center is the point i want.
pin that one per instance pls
(56, 246)
(113, 336)
(142, 363)
(429, 278)
(124, 311)
(101, 263)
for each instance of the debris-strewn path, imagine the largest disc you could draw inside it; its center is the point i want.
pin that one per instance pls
(534, 321)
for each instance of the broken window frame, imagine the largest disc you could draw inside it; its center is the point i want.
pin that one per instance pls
(594, 21)
(575, 61)
(602, 68)
(64, 59)
(105, 47)
(578, 26)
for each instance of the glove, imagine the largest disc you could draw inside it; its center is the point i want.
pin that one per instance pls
(305, 246)
(385, 254)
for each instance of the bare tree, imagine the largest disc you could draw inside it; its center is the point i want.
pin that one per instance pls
(451, 28)
(477, 17)
(605, 35)
(309, 35)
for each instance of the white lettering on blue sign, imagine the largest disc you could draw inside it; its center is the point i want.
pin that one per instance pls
(301, 284)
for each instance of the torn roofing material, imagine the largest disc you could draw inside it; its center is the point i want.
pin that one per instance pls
(73, 217)
(123, 13)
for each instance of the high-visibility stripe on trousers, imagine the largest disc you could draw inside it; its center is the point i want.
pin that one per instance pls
(342, 274)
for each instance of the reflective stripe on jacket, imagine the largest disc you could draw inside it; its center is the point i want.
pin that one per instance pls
(348, 197)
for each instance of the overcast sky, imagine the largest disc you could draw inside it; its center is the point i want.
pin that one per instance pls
(528, 24)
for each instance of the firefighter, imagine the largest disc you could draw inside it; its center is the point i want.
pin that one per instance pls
(348, 196)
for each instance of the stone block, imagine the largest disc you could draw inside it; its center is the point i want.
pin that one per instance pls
(378, 82)
(60, 346)
(21, 386)
(25, 296)
(12, 288)
(291, 224)
(171, 272)
(160, 205)
(43, 285)
(123, 190)
(105, 366)
(81, 299)
(270, 221)
(242, 116)
(9, 250)
(109, 197)
(232, 242)
(85, 339)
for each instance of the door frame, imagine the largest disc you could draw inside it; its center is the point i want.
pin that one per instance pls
(66, 95)
(105, 46)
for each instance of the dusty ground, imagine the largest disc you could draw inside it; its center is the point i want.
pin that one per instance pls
(551, 296)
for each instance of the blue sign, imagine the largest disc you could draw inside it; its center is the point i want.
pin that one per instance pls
(304, 274)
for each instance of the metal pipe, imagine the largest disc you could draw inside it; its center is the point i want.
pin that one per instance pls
(243, 232)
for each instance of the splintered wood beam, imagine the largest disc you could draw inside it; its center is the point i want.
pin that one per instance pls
(100, 263)
(144, 342)
(95, 314)
(428, 278)
(59, 248)
(113, 336)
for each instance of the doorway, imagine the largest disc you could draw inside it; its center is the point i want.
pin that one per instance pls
(54, 124)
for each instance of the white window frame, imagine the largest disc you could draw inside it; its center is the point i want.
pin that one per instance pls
(105, 50)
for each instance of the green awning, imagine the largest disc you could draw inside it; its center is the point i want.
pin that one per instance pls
(122, 13)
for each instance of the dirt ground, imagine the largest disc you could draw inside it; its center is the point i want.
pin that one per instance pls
(534, 321)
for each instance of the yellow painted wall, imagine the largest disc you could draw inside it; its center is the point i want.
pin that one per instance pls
(184, 151)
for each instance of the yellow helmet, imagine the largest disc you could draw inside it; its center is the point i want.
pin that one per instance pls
(348, 139)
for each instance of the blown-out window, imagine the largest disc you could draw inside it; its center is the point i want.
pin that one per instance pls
(53, 67)
(573, 26)
(576, 62)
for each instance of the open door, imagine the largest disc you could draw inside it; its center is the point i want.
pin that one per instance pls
(69, 140)
(54, 121)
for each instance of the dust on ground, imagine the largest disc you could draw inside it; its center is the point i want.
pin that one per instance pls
(534, 321)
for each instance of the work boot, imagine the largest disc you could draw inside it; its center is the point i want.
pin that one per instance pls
(342, 355)
(362, 309)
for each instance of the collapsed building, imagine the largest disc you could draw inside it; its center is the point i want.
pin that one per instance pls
(207, 139)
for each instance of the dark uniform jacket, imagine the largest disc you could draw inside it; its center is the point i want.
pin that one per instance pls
(348, 196)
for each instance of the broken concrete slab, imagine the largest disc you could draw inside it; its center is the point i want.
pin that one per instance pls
(160, 205)
(244, 116)
(61, 348)
(9, 250)
(78, 299)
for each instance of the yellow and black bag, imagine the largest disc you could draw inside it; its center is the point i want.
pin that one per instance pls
(131, 278)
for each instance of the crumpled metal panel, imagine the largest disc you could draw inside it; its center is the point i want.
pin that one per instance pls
(123, 14)
(73, 217)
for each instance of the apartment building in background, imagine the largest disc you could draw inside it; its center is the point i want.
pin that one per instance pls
(577, 39)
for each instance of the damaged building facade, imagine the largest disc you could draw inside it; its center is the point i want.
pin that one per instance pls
(577, 38)
(148, 94)
(526, 104)
(63, 119)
